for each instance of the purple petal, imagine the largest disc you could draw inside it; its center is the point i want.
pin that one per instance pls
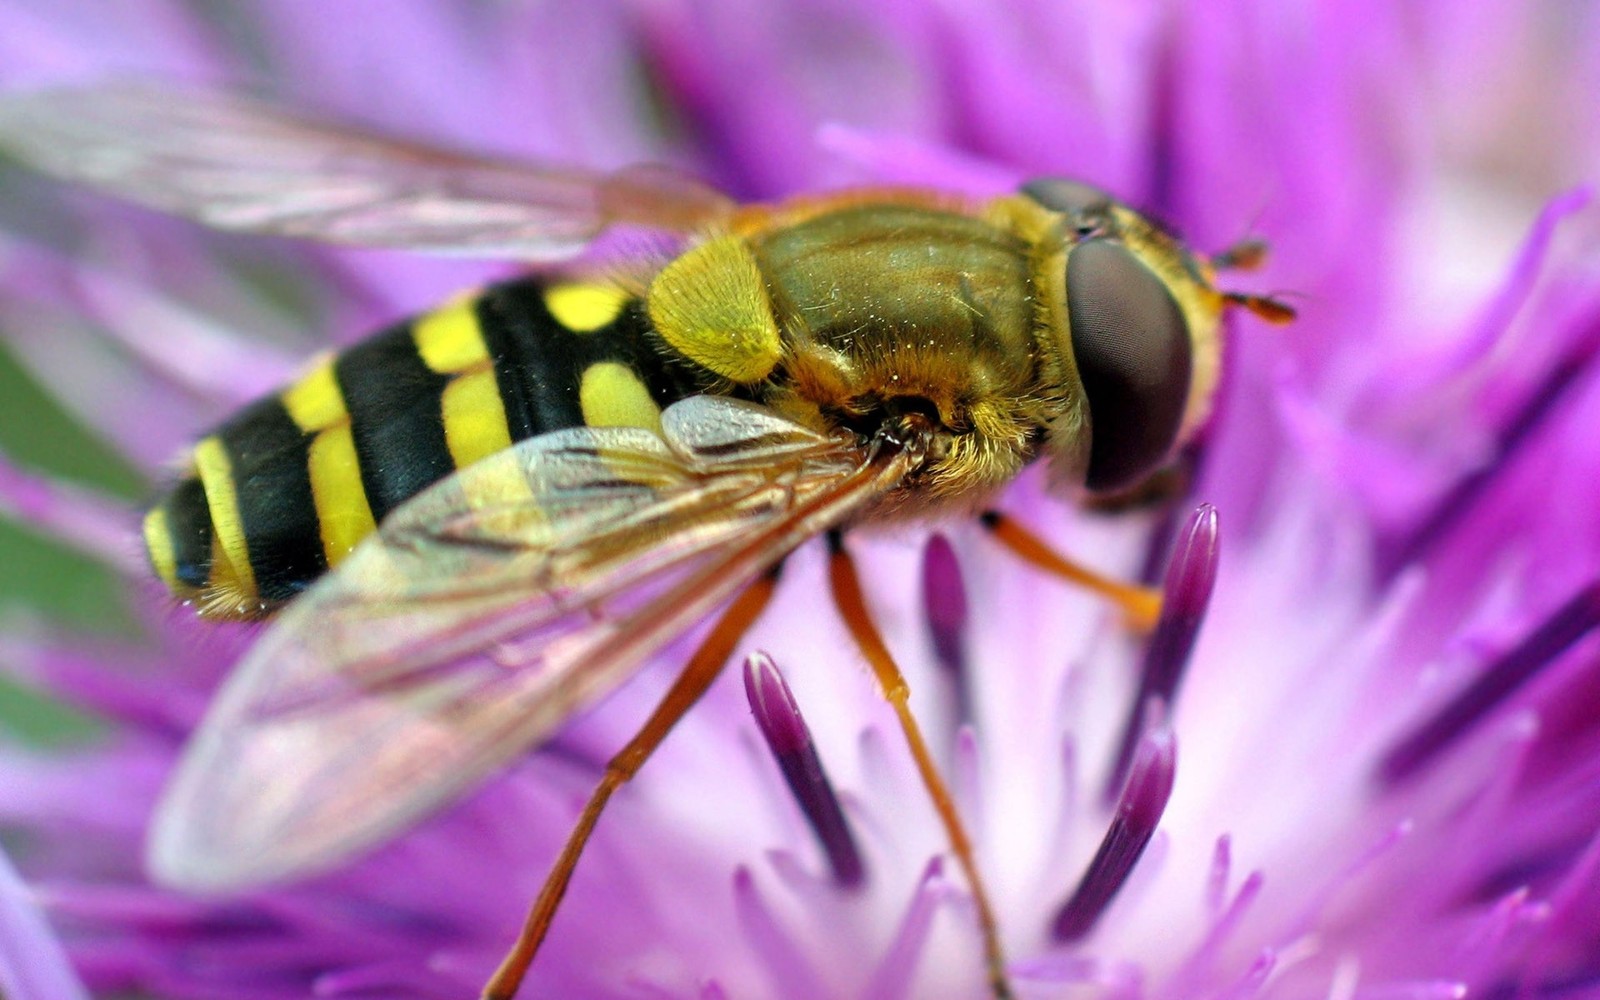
(1502, 308)
(1494, 684)
(896, 159)
(96, 526)
(33, 965)
(897, 970)
(792, 972)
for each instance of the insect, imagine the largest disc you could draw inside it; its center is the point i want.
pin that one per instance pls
(485, 517)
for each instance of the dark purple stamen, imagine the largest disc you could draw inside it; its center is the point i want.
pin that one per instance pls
(1155, 764)
(786, 734)
(1542, 402)
(1498, 681)
(946, 598)
(1191, 575)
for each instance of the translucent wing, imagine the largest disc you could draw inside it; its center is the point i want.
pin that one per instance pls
(236, 163)
(484, 613)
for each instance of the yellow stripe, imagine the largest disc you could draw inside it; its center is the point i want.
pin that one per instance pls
(158, 543)
(449, 339)
(611, 395)
(342, 510)
(474, 417)
(233, 572)
(315, 402)
(585, 308)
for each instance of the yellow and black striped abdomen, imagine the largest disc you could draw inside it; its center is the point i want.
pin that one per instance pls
(284, 490)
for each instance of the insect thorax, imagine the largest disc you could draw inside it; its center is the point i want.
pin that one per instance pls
(886, 307)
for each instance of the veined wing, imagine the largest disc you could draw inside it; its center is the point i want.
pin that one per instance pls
(236, 163)
(483, 614)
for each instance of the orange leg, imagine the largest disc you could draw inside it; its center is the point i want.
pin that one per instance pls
(1264, 306)
(1245, 255)
(697, 675)
(853, 608)
(1140, 605)
(1248, 255)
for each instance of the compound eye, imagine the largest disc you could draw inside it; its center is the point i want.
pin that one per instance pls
(1087, 206)
(1071, 197)
(1134, 357)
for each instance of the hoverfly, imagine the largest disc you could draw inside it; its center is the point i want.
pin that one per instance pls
(484, 518)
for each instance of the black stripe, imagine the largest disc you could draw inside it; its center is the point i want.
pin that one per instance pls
(537, 360)
(539, 363)
(396, 418)
(270, 457)
(395, 405)
(189, 527)
(633, 342)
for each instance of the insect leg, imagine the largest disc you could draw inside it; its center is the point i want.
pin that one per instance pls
(1141, 605)
(1245, 255)
(1265, 306)
(702, 668)
(852, 607)
(1249, 255)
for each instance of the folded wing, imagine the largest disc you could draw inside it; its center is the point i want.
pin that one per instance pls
(481, 616)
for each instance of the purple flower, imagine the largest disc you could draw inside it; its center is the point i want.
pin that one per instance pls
(33, 965)
(1358, 758)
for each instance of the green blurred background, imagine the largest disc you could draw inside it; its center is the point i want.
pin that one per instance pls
(39, 577)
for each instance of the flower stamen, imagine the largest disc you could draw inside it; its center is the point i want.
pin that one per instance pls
(1139, 809)
(946, 598)
(1186, 593)
(782, 726)
(944, 594)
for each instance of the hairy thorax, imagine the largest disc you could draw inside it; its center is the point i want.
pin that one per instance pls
(890, 308)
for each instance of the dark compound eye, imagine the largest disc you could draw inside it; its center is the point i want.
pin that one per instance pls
(1072, 197)
(1087, 206)
(1134, 357)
